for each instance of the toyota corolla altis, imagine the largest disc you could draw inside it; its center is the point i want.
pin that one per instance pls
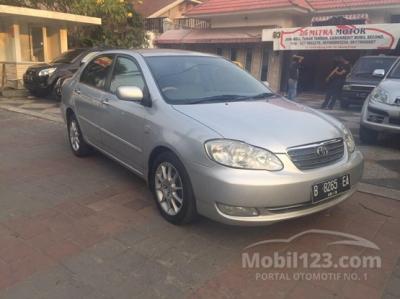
(208, 137)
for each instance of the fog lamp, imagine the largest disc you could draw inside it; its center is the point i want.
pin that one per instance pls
(237, 211)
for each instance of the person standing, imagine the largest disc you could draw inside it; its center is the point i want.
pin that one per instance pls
(335, 81)
(294, 76)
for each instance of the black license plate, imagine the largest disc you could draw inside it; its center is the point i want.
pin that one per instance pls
(330, 188)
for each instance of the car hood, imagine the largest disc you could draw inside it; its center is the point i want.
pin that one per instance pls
(391, 86)
(42, 66)
(363, 81)
(275, 124)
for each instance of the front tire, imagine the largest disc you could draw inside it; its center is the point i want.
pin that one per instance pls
(368, 136)
(172, 189)
(78, 145)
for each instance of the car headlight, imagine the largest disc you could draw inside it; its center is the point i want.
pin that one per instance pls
(47, 72)
(347, 87)
(238, 154)
(349, 140)
(379, 95)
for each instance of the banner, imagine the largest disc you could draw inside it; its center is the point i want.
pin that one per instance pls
(340, 37)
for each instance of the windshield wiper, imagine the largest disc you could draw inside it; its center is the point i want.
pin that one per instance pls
(220, 98)
(263, 95)
(231, 98)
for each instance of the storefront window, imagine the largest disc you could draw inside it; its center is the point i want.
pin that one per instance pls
(36, 43)
(249, 59)
(219, 51)
(234, 54)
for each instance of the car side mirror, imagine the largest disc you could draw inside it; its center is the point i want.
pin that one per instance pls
(380, 73)
(130, 93)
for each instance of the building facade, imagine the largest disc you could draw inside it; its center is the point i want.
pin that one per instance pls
(244, 31)
(30, 36)
(163, 15)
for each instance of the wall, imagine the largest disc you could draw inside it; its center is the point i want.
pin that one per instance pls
(253, 20)
(177, 11)
(6, 52)
(53, 42)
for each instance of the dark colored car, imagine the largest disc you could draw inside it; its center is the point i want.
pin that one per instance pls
(366, 74)
(46, 78)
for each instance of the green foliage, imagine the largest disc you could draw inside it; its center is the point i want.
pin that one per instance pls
(121, 26)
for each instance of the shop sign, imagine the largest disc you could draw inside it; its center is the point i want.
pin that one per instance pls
(340, 37)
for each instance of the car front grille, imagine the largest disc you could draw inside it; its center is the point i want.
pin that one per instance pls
(362, 88)
(311, 156)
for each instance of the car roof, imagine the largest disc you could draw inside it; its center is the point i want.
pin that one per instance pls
(160, 52)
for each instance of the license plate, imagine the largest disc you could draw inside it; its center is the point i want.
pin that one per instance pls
(330, 188)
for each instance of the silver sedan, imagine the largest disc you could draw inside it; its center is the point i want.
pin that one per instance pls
(208, 138)
(381, 110)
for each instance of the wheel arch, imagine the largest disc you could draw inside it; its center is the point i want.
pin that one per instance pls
(158, 150)
(68, 113)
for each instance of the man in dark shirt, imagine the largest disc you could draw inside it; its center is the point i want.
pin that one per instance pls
(294, 77)
(335, 81)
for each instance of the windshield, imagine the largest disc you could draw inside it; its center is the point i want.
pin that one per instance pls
(395, 73)
(199, 79)
(68, 57)
(365, 66)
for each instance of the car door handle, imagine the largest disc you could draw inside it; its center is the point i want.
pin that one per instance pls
(105, 102)
(77, 91)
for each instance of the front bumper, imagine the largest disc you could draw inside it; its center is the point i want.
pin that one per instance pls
(381, 117)
(37, 83)
(354, 97)
(288, 190)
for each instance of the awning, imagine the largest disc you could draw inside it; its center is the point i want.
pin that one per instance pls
(211, 36)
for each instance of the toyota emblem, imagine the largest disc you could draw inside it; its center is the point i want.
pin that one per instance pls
(322, 151)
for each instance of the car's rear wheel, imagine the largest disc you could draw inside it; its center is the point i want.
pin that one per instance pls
(368, 136)
(78, 145)
(56, 93)
(172, 189)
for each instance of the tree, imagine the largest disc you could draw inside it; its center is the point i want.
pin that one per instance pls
(121, 26)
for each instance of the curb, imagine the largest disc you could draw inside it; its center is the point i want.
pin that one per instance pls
(33, 113)
(379, 191)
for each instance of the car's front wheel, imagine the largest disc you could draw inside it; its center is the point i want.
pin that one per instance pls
(368, 136)
(172, 189)
(78, 145)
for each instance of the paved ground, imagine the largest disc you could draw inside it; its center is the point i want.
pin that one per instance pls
(87, 228)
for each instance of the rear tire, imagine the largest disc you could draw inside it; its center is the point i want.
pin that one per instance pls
(78, 145)
(368, 136)
(56, 93)
(172, 189)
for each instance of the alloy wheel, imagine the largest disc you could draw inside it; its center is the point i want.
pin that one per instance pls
(169, 188)
(74, 135)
